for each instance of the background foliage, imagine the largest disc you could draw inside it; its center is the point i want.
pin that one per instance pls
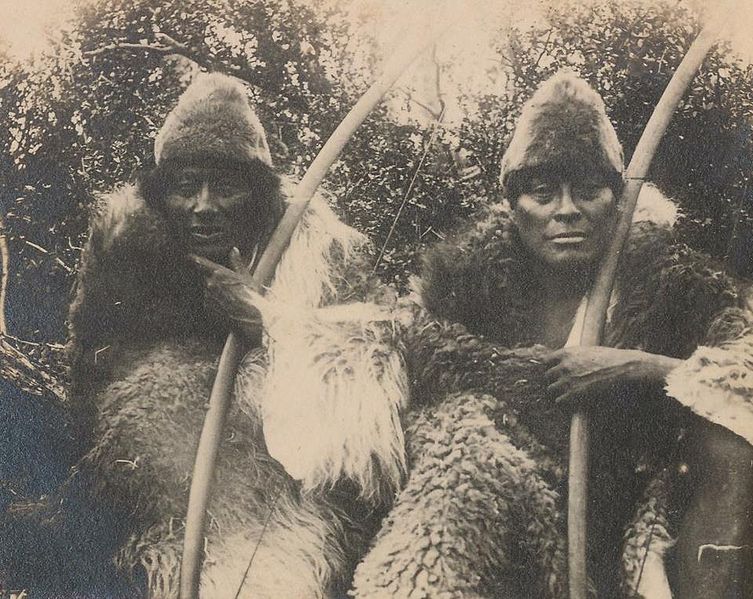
(82, 117)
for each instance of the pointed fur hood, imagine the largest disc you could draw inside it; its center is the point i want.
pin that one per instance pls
(212, 120)
(563, 125)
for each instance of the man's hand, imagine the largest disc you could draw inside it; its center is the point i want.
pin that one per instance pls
(586, 373)
(230, 293)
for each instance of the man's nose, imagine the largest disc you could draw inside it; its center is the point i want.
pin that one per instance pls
(203, 205)
(567, 210)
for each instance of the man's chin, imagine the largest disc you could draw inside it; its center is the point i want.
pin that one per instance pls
(573, 262)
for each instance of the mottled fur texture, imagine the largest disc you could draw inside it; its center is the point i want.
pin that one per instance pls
(144, 353)
(564, 125)
(213, 119)
(321, 435)
(483, 511)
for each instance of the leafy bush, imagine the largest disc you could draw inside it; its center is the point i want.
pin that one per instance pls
(82, 118)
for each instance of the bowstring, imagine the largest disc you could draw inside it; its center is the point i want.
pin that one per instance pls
(432, 139)
(654, 522)
(672, 460)
(265, 526)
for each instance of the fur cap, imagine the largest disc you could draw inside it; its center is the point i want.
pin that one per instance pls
(212, 120)
(564, 125)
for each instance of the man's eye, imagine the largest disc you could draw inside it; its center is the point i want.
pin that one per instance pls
(226, 189)
(587, 191)
(543, 191)
(186, 187)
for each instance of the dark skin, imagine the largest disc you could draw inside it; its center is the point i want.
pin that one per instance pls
(229, 292)
(566, 228)
(209, 211)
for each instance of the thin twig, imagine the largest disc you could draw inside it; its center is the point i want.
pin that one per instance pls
(408, 191)
(5, 265)
(42, 250)
(28, 376)
(545, 48)
(36, 247)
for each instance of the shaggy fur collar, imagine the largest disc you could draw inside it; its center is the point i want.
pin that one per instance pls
(665, 296)
(135, 285)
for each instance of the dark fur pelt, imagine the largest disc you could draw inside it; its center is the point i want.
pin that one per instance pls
(483, 512)
(133, 284)
(144, 354)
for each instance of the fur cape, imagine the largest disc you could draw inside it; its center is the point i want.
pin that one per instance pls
(315, 445)
(483, 512)
(668, 300)
(321, 396)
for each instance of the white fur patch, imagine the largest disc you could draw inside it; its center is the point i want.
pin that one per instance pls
(653, 206)
(307, 270)
(334, 395)
(114, 210)
(249, 382)
(334, 388)
(653, 583)
(717, 384)
(294, 556)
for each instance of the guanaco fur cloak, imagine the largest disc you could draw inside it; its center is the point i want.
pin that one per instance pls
(144, 353)
(483, 512)
(348, 404)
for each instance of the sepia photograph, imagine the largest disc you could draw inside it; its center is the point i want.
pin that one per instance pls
(372, 299)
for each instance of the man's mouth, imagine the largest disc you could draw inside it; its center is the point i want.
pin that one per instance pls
(568, 237)
(207, 234)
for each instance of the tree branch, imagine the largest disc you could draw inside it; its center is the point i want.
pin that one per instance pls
(429, 109)
(176, 48)
(436, 114)
(545, 48)
(42, 250)
(513, 51)
(438, 83)
(28, 376)
(5, 265)
(15, 366)
(169, 40)
(165, 45)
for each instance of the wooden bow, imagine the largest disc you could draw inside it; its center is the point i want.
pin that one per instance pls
(219, 401)
(598, 300)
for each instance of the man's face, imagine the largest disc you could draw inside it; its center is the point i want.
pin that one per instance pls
(565, 223)
(210, 210)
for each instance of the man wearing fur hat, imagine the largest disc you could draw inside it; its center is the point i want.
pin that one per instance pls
(668, 397)
(563, 175)
(481, 514)
(144, 348)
